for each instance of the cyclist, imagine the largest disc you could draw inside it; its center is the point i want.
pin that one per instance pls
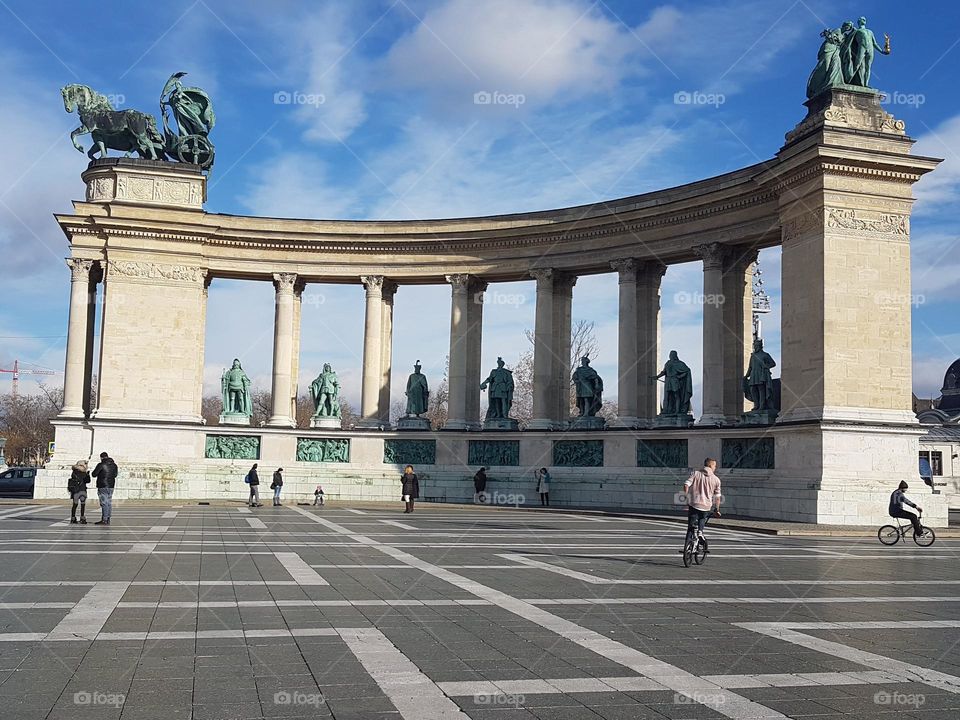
(897, 500)
(702, 490)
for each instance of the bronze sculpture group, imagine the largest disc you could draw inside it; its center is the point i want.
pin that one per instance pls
(845, 57)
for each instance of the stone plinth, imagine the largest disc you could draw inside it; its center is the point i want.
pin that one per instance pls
(587, 423)
(326, 423)
(145, 182)
(411, 422)
(759, 417)
(673, 421)
(501, 424)
(234, 419)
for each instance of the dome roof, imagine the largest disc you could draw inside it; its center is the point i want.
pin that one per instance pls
(950, 391)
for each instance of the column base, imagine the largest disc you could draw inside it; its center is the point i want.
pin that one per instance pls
(326, 423)
(279, 421)
(71, 413)
(712, 420)
(459, 425)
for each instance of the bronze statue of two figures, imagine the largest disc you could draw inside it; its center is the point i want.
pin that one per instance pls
(133, 131)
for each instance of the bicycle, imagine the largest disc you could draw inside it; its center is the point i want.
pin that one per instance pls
(891, 535)
(696, 551)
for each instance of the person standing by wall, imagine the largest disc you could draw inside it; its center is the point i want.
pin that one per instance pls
(480, 486)
(253, 479)
(77, 487)
(410, 487)
(277, 485)
(542, 477)
(106, 473)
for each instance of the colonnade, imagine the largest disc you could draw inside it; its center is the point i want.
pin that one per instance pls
(727, 335)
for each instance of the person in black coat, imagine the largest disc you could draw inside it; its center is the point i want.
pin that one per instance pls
(106, 473)
(276, 485)
(254, 480)
(77, 487)
(480, 485)
(410, 487)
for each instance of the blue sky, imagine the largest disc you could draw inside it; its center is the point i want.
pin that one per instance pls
(383, 124)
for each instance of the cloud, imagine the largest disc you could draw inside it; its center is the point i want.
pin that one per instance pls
(941, 186)
(298, 186)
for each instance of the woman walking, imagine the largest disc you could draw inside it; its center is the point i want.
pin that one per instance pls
(410, 487)
(77, 487)
(253, 479)
(277, 485)
(543, 485)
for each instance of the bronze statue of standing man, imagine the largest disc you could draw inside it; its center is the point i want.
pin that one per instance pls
(418, 395)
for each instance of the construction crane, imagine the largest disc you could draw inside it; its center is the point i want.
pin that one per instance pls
(16, 371)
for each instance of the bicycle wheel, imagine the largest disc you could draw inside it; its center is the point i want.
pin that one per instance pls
(889, 535)
(927, 539)
(687, 554)
(700, 554)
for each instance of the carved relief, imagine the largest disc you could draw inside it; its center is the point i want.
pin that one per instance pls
(100, 188)
(801, 224)
(142, 188)
(151, 271)
(890, 224)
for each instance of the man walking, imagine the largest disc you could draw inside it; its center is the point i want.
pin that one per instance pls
(106, 474)
(702, 490)
(277, 485)
(253, 480)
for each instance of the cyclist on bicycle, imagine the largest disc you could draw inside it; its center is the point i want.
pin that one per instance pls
(702, 490)
(897, 500)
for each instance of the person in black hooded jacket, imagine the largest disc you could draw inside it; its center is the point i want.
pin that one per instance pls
(106, 473)
(77, 487)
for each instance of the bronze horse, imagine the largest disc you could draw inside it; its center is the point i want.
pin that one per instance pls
(125, 130)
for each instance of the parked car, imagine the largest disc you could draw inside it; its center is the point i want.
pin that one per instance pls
(18, 480)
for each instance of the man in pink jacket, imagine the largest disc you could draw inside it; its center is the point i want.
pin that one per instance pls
(702, 489)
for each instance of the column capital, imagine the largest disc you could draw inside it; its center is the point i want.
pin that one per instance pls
(563, 282)
(389, 289)
(543, 276)
(284, 283)
(713, 255)
(79, 269)
(651, 269)
(742, 256)
(627, 267)
(460, 281)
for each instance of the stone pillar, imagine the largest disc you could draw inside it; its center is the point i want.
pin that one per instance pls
(459, 353)
(713, 256)
(386, 350)
(544, 353)
(562, 329)
(298, 289)
(738, 328)
(201, 351)
(649, 276)
(628, 349)
(75, 379)
(476, 290)
(283, 341)
(372, 353)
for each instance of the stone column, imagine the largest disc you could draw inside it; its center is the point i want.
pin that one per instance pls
(372, 353)
(713, 256)
(386, 350)
(298, 289)
(738, 328)
(628, 350)
(78, 336)
(458, 361)
(284, 284)
(476, 291)
(649, 276)
(201, 353)
(544, 349)
(562, 321)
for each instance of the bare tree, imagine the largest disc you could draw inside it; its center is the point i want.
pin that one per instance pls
(210, 408)
(437, 404)
(25, 423)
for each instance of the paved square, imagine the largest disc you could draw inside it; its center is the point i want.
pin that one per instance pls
(219, 612)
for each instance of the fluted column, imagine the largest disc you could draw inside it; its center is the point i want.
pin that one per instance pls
(372, 353)
(738, 328)
(562, 320)
(544, 349)
(284, 284)
(713, 256)
(298, 289)
(386, 350)
(459, 353)
(649, 278)
(474, 337)
(627, 347)
(74, 373)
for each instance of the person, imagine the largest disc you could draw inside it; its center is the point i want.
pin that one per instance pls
(502, 386)
(77, 487)
(277, 485)
(253, 479)
(702, 490)
(863, 43)
(318, 496)
(543, 485)
(106, 473)
(480, 485)
(410, 487)
(897, 500)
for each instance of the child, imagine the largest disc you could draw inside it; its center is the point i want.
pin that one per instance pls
(318, 496)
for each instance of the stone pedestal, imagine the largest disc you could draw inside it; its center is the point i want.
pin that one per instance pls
(501, 424)
(673, 421)
(234, 419)
(145, 182)
(759, 417)
(326, 423)
(587, 423)
(412, 422)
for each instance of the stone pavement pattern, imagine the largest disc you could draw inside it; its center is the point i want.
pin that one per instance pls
(216, 612)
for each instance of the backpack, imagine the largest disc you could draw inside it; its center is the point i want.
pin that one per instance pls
(246, 478)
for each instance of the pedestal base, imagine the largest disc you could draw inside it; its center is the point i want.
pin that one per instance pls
(235, 419)
(759, 417)
(326, 423)
(501, 424)
(587, 422)
(673, 421)
(413, 422)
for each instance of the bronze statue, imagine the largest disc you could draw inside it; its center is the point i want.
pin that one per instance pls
(589, 387)
(758, 382)
(235, 388)
(500, 400)
(678, 386)
(417, 392)
(325, 393)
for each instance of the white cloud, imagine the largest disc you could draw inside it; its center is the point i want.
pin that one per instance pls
(943, 184)
(298, 186)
